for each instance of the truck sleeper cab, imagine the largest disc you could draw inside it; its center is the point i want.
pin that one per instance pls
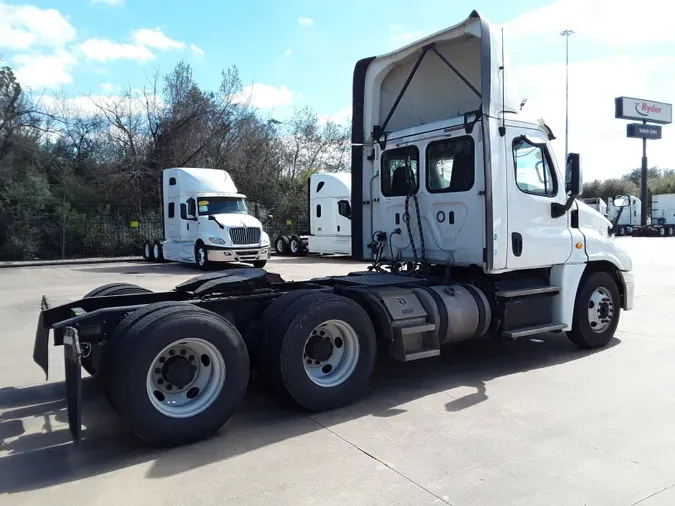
(472, 230)
(206, 221)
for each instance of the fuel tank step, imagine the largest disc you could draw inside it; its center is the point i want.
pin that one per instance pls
(510, 335)
(524, 292)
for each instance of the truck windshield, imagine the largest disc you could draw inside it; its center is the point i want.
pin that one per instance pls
(222, 205)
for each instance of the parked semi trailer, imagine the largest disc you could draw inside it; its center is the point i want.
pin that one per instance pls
(206, 221)
(329, 212)
(461, 248)
(661, 222)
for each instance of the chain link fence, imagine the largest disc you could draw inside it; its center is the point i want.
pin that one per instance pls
(49, 229)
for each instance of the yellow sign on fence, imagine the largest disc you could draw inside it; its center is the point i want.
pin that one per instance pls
(134, 224)
(289, 222)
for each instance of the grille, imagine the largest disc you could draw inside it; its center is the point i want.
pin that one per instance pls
(243, 235)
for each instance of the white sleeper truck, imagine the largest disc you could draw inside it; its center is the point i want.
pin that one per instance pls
(472, 228)
(630, 217)
(206, 221)
(330, 214)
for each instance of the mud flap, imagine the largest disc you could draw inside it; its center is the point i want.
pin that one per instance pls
(41, 346)
(73, 363)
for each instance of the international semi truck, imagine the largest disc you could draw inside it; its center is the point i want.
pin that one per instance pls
(206, 221)
(329, 213)
(470, 227)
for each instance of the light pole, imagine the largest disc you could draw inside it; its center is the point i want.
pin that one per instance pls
(566, 34)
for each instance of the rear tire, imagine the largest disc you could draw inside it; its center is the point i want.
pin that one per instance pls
(282, 245)
(596, 311)
(621, 231)
(93, 367)
(147, 251)
(158, 251)
(295, 246)
(209, 369)
(332, 332)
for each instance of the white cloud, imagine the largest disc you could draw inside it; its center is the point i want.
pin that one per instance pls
(45, 71)
(342, 117)
(264, 96)
(107, 86)
(196, 50)
(155, 39)
(109, 2)
(596, 20)
(107, 50)
(25, 26)
(305, 21)
(287, 52)
(594, 83)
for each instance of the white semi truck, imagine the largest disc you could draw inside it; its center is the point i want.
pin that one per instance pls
(630, 215)
(206, 221)
(330, 213)
(660, 223)
(472, 228)
(663, 213)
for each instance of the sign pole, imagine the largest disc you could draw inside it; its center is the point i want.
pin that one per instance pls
(644, 195)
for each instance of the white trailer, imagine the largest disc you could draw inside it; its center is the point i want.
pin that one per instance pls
(473, 229)
(330, 214)
(206, 221)
(663, 213)
(596, 203)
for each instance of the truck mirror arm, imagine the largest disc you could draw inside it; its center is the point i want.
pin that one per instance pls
(213, 218)
(615, 224)
(558, 210)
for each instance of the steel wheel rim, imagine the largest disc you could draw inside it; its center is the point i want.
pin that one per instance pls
(201, 256)
(155, 250)
(600, 309)
(185, 399)
(280, 246)
(147, 250)
(294, 246)
(333, 370)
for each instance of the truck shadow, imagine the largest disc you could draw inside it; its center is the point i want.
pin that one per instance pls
(42, 454)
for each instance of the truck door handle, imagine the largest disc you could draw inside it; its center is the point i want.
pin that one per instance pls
(188, 226)
(517, 243)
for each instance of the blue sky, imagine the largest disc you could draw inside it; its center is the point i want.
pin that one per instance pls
(303, 52)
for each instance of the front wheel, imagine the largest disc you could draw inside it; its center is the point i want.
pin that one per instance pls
(201, 257)
(596, 312)
(259, 264)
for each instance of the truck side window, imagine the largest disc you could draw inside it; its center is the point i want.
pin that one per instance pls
(318, 210)
(172, 210)
(345, 209)
(533, 169)
(192, 207)
(450, 165)
(400, 174)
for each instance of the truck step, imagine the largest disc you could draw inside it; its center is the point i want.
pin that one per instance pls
(531, 331)
(524, 292)
(414, 342)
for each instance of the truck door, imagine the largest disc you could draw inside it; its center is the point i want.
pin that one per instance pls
(344, 218)
(536, 239)
(189, 229)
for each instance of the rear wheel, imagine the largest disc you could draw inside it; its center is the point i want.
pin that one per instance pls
(320, 350)
(90, 360)
(148, 251)
(669, 231)
(621, 231)
(295, 246)
(596, 311)
(158, 251)
(662, 231)
(282, 245)
(177, 375)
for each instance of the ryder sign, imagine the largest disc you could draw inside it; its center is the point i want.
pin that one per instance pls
(643, 110)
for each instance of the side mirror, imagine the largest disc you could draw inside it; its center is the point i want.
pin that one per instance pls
(621, 201)
(573, 179)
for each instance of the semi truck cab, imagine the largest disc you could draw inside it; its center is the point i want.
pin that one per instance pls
(206, 221)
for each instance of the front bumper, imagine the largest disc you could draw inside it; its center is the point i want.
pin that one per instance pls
(242, 254)
(628, 283)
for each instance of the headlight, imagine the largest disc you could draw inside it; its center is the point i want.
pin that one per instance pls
(265, 239)
(217, 240)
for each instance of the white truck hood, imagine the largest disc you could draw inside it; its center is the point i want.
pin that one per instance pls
(599, 244)
(238, 220)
